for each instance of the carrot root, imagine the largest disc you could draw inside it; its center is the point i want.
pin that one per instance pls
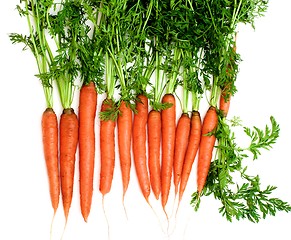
(87, 113)
(206, 147)
(224, 104)
(139, 145)
(181, 144)
(50, 148)
(154, 144)
(192, 149)
(107, 150)
(68, 147)
(168, 146)
(124, 126)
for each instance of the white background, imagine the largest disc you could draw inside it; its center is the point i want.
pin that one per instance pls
(25, 211)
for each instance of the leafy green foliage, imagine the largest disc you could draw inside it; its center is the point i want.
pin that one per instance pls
(262, 138)
(240, 194)
(20, 38)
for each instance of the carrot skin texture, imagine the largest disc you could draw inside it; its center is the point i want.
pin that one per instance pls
(87, 113)
(154, 145)
(168, 145)
(181, 143)
(139, 145)
(107, 150)
(68, 147)
(206, 147)
(49, 125)
(192, 149)
(124, 127)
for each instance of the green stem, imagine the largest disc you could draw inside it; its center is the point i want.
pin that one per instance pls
(32, 38)
(159, 81)
(42, 59)
(175, 71)
(195, 101)
(214, 92)
(110, 83)
(185, 94)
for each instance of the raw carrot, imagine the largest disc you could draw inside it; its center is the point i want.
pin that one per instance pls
(50, 147)
(193, 145)
(206, 147)
(124, 126)
(181, 143)
(139, 144)
(107, 149)
(154, 145)
(87, 113)
(168, 146)
(224, 104)
(68, 146)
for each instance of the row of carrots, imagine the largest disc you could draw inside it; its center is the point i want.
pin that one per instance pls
(120, 38)
(158, 130)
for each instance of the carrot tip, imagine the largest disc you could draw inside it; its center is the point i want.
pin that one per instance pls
(85, 218)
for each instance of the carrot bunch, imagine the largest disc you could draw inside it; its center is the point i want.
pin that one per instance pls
(154, 61)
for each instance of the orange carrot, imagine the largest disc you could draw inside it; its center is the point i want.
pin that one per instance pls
(87, 113)
(139, 145)
(107, 149)
(124, 125)
(154, 145)
(68, 146)
(168, 145)
(181, 143)
(206, 147)
(193, 145)
(224, 104)
(50, 146)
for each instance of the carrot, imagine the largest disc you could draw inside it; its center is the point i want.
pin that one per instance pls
(206, 147)
(168, 145)
(181, 143)
(87, 113)
(193, 145)
(124, 125)
(224, 104)
(107, 149)
(224, 101)
(154, 144)
(50, 146)
(139, 144)
(68, 146)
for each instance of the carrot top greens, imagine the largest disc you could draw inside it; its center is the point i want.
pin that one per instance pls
(56, 30)
(68, 27)
(36, 14)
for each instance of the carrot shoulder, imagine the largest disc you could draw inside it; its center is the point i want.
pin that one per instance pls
(87, 113)
(124, 126)
(168, 145)
(107, 150)
(50, 147)
(154, 145)
(206, 147)
(181, 143)
(139, 145)
(68, 146)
